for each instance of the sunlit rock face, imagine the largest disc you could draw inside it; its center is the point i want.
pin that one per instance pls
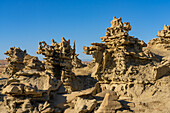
(38, 81)
(161, 45)
(126, 75)
(127, 65)
(121, 57)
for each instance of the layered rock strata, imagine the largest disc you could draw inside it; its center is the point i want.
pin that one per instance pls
(161, 45)
(124, 63)
(34, 85)
(132, 76)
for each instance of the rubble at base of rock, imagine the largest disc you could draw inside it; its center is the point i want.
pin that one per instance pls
(39, 82)
(130, 76)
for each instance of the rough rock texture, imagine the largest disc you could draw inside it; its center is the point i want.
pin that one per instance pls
(28, 83)
(127, 65)
(161, 45)
(131, 76)
(109, 104)
(33, 85)
(76, 62)
(121, 56)
(58, 61)
(20, 60)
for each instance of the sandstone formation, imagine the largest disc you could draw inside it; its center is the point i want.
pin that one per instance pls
(131, 76)
(58, 61)
(127, 65)
(161, 45)
(33, 85)
(122, 58)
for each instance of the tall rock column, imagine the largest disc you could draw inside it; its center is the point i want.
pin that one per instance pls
(58, 61)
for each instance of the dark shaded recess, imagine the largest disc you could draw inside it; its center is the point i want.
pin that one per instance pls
(87, 81)
(125, 106)
(58, 70)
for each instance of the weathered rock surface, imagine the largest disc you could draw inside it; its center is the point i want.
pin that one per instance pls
(34, 85)
(131, 76)
(109, 104)
(161, 45)
(129, 66)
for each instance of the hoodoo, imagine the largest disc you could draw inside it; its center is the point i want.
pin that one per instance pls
(126, 75)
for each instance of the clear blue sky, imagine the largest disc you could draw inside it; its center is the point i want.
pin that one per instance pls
(23, 23)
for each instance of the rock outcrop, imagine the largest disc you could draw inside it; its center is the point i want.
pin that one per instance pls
(58, 61)
(161, 45)
(122, 58)
(131, 76)
(127, 65)
(20, 60)
(40, 83)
